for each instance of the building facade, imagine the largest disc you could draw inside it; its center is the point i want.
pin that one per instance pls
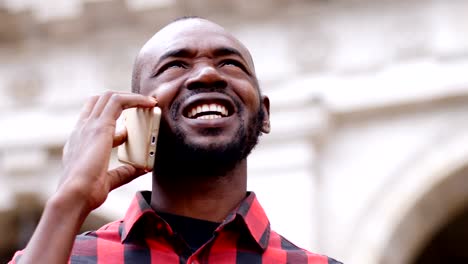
(368, 156)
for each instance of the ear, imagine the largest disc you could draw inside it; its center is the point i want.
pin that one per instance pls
(266, 118)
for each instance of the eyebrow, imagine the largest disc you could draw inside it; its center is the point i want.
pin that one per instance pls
(177, 53)
(185, 53)
(218, 52)
(226, 51)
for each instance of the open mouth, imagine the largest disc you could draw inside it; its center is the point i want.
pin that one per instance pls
(208, 106)
(207, 111)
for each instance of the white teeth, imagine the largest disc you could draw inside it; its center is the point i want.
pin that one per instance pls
(208, 108)
(209, 117)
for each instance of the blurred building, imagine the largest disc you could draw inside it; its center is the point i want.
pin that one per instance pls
(368, 156)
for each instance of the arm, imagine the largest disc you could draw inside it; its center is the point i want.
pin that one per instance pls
(86, 181)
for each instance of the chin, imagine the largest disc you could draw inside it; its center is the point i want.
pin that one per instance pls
(210, 142)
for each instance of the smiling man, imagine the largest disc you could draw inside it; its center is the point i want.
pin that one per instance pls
(199, 210)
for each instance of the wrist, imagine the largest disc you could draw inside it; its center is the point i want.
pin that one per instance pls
(60, 222)
(69, 205)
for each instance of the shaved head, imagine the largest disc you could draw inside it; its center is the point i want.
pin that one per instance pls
(179, 27)
(187, 65)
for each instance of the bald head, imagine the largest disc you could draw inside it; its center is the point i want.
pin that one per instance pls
(180, 33)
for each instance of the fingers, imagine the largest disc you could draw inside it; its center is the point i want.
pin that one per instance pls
(118, 102)
(88, 107)
(123, 175)
(120, 134)
(101, 104)
(113, 103)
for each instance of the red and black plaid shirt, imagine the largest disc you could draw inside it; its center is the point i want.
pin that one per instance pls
(143, 237)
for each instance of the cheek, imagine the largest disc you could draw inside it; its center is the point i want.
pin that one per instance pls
(247, 93)
(164, 93)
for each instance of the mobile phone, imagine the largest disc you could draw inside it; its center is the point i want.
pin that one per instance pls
(142, 126)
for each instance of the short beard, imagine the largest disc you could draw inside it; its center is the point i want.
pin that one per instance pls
(177, 160)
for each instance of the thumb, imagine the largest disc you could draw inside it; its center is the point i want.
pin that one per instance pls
(123, 175)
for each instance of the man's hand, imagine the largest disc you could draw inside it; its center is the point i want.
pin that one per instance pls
(87, 152)
(86, 180)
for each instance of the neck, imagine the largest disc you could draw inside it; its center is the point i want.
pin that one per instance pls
(206, 198)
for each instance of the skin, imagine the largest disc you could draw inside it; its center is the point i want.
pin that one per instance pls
(86, 180)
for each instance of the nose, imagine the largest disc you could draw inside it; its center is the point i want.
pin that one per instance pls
(206, 76)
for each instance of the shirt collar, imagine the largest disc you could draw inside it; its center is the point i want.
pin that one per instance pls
(139, 207)
(249, 212)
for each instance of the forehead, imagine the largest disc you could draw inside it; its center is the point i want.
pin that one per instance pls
(196, 34)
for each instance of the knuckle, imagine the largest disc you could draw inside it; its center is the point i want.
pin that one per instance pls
(108, 93)
(115, 98)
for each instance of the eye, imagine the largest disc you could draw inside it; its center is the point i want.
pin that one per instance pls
(171, 65)
(235, 63)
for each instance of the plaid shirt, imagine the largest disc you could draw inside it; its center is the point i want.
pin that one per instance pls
(143, 237)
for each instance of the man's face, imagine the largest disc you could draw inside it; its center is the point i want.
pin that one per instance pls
(206, 86)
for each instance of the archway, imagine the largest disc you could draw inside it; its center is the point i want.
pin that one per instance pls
(427, 194)
(448, 245)
(431, 221)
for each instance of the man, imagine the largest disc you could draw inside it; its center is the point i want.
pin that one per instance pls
(199, 210)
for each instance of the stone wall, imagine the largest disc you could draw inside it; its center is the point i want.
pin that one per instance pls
(368, 108)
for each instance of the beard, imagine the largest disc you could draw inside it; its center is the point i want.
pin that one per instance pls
(178, 159)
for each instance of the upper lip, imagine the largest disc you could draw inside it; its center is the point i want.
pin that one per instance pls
(208, 98)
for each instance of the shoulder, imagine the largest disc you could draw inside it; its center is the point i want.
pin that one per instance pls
(110, 229)
(279, 245)
(109, 233)
(85, 246)
(103, 243)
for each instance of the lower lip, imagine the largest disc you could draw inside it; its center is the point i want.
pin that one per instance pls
(215, 122)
